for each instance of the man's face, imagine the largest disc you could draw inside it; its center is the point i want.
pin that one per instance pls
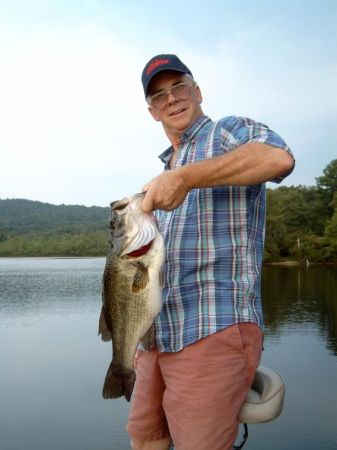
(176, 115)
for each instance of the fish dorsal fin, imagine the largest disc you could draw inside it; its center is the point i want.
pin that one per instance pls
(161, 278)
(141, 278)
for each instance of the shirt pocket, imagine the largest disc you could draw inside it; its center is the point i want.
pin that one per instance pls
(196, 202)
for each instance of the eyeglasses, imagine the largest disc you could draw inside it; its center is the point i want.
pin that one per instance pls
(181, 91)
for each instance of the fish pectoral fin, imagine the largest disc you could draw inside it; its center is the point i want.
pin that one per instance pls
(103, 328)
(147, 341)
(141, 278)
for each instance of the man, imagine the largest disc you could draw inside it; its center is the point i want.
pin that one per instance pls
(210, 205)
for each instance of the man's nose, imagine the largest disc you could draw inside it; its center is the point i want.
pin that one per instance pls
(171, 98)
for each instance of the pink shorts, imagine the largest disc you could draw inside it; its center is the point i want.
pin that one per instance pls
(194, 395)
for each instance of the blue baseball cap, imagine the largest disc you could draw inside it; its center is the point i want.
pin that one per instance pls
(158, 64)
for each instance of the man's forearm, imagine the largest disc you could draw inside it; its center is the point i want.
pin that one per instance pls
(252, 163)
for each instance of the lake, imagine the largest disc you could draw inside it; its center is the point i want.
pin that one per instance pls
(53, 364)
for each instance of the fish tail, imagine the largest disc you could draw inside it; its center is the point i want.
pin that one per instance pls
(118, 382)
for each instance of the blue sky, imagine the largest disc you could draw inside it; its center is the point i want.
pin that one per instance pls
(74, 126)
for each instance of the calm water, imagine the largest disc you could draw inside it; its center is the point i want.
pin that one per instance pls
(52, 363)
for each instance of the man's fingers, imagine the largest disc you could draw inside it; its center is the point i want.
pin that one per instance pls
(147, 203)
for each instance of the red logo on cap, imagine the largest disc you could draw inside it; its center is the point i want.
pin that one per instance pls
(156, 63)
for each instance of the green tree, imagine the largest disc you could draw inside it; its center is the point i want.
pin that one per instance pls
(331, 231)
(3, 235)
(327, 184)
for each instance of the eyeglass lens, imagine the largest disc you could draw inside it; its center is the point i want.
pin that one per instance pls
(180, 90)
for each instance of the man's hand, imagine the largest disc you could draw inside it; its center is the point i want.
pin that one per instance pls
(166, 191)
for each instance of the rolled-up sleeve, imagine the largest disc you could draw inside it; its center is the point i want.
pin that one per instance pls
(241, 130)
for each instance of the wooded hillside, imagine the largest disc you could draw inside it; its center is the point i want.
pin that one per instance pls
(31, 228)
(301, 225)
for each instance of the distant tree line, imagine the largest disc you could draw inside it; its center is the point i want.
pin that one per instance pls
(302, 221)
(31, 228)
(301, 225)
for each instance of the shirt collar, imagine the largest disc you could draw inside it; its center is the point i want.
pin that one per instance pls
(192, 133)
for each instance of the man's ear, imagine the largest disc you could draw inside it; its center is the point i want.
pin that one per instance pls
(153, 113)
(199, 94)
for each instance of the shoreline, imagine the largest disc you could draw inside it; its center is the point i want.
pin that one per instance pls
(298, 263)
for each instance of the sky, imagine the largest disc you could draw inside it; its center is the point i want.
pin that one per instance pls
(74, 124)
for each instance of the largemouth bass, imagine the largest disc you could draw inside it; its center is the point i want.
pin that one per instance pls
(131, 292)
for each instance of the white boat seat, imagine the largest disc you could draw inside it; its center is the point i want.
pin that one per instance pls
(265, 399)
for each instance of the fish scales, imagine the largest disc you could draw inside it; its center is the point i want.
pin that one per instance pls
(131, 294)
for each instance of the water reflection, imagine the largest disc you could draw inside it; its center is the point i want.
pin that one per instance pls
(295, 296)
(53, 363)
(33, 287)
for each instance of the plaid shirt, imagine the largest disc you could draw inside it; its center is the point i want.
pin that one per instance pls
(214, 241)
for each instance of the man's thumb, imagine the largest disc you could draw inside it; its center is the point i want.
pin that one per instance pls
(147, 203)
